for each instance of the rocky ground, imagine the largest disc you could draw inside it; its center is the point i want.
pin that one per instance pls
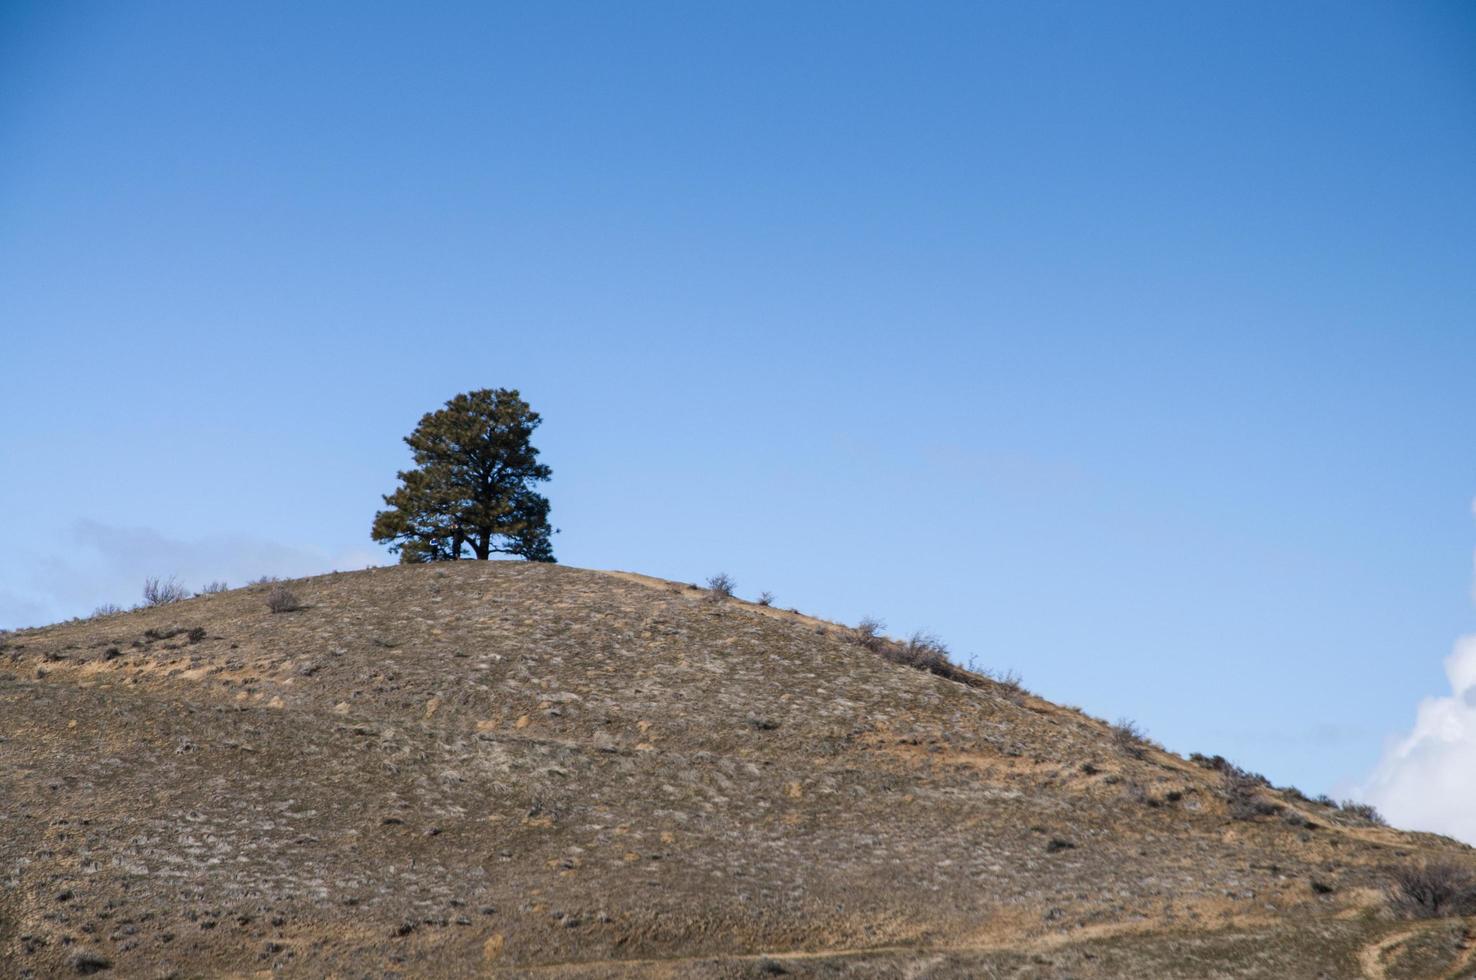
(502, 769)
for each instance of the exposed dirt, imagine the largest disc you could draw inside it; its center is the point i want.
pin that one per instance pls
(500, 769)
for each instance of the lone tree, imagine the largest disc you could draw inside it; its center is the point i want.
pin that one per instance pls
(472, 487)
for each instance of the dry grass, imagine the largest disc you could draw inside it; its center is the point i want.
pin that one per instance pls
(504, 769)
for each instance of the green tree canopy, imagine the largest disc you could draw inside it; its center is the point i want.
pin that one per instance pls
(472, 487)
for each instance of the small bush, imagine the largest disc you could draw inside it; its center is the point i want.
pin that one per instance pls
(1131, 738)
(870, 634)
(264, 580)
(106, 609)
(214, 588)
(1366, 812)
(1431, 890)
(280, 600)
(922, 650)
(161, 592)
(766, 598)
(1324, 800)
(1010, 680)
(197, 634)
(1243, 797)
(720, 586)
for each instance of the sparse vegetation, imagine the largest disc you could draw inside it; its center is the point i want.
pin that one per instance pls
(870, 633)
(924, 651)
(1131, 738)
(398, 688)
(161, 592)
(106, 609)
(264, 580)
(1432, 889)
(1009, 680)
(1364, 812)
(213, 588)
(281, 600)
(766, 598)
(1243, 794)
(921, 651)
(721, 586)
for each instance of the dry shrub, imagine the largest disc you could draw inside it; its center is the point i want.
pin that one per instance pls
(280, 600)
(720, 587)
(1363, 812)
(1432, 889)
(922, 651)
(161, 592)
(1131, 738)
(1011, 684)
(1243, 795)
(870, 634)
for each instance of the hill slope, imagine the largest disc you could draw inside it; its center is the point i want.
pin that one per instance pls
(479, 769)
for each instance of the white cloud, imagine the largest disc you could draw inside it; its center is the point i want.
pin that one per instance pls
(98, 563)
(1427, 779)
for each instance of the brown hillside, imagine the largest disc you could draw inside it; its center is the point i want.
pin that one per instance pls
(502, 769)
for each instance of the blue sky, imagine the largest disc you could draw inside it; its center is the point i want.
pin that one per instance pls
(1129, 346)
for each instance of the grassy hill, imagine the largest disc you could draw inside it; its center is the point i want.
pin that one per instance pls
(504, 769)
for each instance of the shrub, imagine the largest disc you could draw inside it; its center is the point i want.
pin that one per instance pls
(213, 588)
(1366, 812)
(922, 650)
(1010, 680)
(720, 586)
(280, 600)
(1131, 738)
(766, 598)
(1433, 889)
(264, 580)
(161, 592)
(197, 634)
(1242, 795)
(106, 609)
(869, 633)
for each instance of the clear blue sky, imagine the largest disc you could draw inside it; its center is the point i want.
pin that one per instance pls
(1132, 346)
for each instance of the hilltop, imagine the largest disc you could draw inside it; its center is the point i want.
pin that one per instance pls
(508, 769)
